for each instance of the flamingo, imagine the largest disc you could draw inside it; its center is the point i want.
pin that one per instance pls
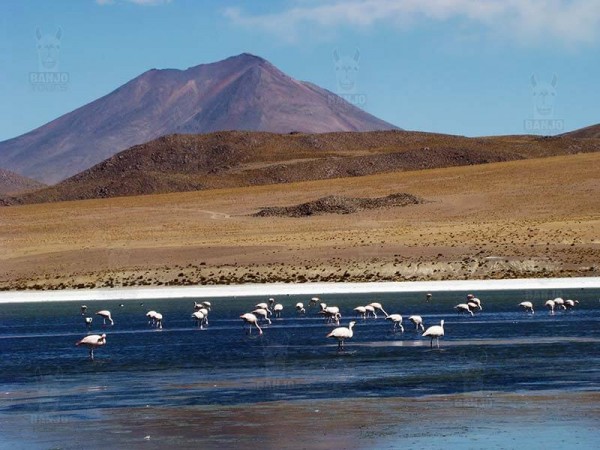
(418, 322)
(264, 306)
(569, 304)
(88, 322)
(204, 312)
(473, 306)
(83, 309)
(277, 309)
(559, 303)
(300, 308)
(150, 315)
(370, 309)
(207, 305)
(361, 311)
(199, 318)
(271, 302)
(428, 297)
(105, 316)
(313, 301)
(158, 318)
(91, 342)
(436, 331)
(263, 314)
(396, 321)
(251, 319)
(476, 301)
(342, 333)
(463, 308)
(527, 306)
(550, 305)
(378, 307)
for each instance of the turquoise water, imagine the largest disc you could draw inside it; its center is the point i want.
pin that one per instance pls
(46, 377)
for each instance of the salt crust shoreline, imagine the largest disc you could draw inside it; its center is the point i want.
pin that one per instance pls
(278, 289)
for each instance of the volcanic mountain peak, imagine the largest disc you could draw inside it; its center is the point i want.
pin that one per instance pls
(243, 92)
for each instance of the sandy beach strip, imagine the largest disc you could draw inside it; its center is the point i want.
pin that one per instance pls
(279, 289)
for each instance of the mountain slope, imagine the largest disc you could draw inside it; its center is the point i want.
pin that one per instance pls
(12, 183)
(592, 131)
(244, 92)
(179, 163)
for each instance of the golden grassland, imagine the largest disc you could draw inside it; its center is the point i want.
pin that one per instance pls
(529, 218)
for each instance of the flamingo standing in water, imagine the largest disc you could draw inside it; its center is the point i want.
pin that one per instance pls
(417, 322)
(262, 314)
(527, 306)
(91, 342)
(251, 319)
(378, 307)
(570, 304)
(396, 321)
(341, 334)
(88, 322)
(361, 311)
(105, 314)
(463, 308)
(300, 308)
(550, 305)
(199, 317)
(277, 310)
(435, 332)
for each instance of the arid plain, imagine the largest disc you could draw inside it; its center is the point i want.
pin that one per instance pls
(526, 218)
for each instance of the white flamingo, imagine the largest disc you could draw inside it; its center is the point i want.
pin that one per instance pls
(417, 322)
(559, 303)
(151, 319)
(204, 312)
(361, 311)
(251, 319)
(207, 305)
(88, 322)
(91, 342)
(396, 322)
(341, 334)
(370, 310)
(313, 301)
(475, 300)
(263, 314)
(378, 307)
(428, 297)
(527, 306)
(199, 318)
(474, 306)
(277, 309)
(83, 309)
(550, 305)
(264, 306)
(105, 314)
(300, 308)
(570, 304)
(435, 332)
(158, 320)
(463, 308)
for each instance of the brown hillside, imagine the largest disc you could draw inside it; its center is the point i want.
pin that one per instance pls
(591, 132)
(180, 163)
(12, 183)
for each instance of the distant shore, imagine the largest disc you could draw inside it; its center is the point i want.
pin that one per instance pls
(279, 289)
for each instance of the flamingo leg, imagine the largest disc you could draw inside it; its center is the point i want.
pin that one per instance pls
(91, 353)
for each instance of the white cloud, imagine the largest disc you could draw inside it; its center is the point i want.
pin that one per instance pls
(569, 21)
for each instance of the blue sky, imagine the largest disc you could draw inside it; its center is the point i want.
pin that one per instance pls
(450, 66)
